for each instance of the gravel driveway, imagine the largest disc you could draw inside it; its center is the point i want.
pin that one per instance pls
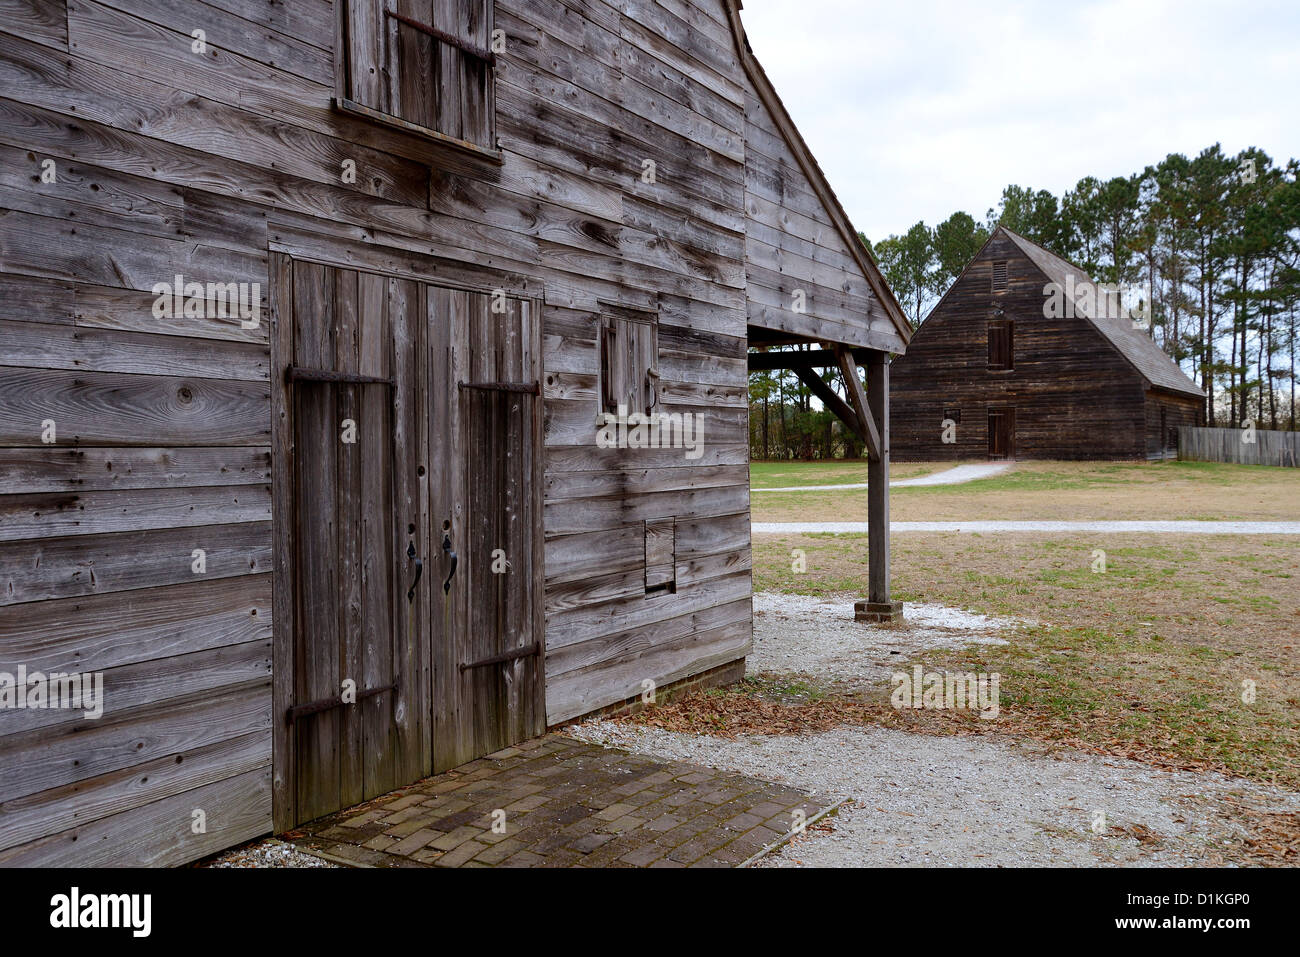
(953, 476)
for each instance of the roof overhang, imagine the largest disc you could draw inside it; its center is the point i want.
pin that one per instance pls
(767, 93)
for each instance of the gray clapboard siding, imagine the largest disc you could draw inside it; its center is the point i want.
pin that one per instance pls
(62, 514)
(161, 833)
(58, 346)
(598, 622)
(566, 517)
(561, 486)
(115, 200)
(56, 756)
(54, 469)
(82, 88)
(94, 564)
(577, 657)
(130, 687)
(110, 408)
(119, 792)
(577, 693)
(127, 310)
(42, 246)
(302, 46)
(99, 632)
(37, 20)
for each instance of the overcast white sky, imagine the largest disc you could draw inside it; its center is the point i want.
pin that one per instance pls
(919, 108)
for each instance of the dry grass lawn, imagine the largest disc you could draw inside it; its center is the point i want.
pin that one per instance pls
(1146, 660)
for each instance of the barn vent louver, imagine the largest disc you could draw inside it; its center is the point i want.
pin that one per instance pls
(1000, 276)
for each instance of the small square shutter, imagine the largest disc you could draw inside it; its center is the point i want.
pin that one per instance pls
(660, 555)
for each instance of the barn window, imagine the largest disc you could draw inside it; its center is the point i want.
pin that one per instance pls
(425, 66)
(629, 361)
(660, 557)
(1002, 338)
(1000, 276)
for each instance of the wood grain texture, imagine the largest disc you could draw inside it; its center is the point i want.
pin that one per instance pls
(230, 165)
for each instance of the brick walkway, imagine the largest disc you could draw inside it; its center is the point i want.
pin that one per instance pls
(558, 802)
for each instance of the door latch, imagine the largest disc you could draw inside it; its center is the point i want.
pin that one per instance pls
(419, 570)
(446, 547)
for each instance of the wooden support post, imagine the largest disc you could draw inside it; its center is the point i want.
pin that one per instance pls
(833, 403)
(858, 398)
(878, 607)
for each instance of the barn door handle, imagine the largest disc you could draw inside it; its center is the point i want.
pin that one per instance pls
(446, 547)
(419, 570)
(652, 386)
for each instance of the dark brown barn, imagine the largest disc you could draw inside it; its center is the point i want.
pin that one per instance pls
(1000, 370)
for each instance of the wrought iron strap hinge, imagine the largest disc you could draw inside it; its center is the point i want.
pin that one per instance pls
(327, 704)
(465, 46)
(528, 388)
(527, 651)
(301, 374)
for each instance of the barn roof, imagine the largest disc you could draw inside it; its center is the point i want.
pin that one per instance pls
(1151, 362)
(821, 186)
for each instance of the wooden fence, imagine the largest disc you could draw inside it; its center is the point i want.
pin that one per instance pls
(1231, 445)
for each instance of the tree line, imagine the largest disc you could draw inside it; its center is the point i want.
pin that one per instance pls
(1215, 238)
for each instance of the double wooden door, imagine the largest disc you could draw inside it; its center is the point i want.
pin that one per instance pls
(408, 634)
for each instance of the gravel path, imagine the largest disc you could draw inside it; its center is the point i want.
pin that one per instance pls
(1192, 528)
(267, 853)
(926, 800)
(930, 800)
(956, 476)
(838, 648)
(953, 476)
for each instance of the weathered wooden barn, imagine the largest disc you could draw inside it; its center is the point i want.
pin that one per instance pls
(311, 313)
(1000, 370)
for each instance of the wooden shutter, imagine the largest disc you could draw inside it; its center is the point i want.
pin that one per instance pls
(1001, 344)
(660, 556)
(629, 361)
(426, 62)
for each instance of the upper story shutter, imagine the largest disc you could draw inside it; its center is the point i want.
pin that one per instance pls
(428, 63)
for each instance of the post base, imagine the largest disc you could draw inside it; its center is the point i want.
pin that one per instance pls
(878, 612)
